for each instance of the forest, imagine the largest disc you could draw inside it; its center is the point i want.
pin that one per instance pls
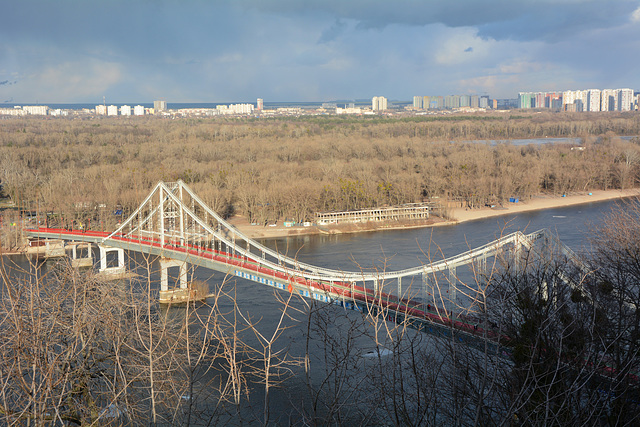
(290, 168)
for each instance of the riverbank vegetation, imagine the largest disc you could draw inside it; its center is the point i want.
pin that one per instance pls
(289, 168)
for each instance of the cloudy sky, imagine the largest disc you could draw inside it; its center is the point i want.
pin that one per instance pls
(68, 51)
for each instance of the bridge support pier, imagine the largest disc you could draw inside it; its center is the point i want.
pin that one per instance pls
(76, 260)
(186, 292)
(111, 273)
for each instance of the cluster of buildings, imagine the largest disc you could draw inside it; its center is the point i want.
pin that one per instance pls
(592, 100)
(125, 110)
(452, 102)
(577, 100)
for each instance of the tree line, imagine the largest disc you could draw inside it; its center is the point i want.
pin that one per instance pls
(289, 168)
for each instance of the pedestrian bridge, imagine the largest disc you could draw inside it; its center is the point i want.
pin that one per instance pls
(175, 224)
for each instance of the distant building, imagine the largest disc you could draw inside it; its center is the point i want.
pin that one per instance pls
(418, 102)
(593, 100)
(112, 110)
(260, 104)
(39, 110)
(349, 110)
(125, 110)
(426, 102)
(59, 112)
(608, 100)
(101, 110)
(524, 99)
(379, 103)
(138, 110)
(159, 106)
(625, 100)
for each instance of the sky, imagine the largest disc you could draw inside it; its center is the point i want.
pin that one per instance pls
(79, 51)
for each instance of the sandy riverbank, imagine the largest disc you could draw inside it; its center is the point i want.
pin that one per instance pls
(460, 215)
(542, 202)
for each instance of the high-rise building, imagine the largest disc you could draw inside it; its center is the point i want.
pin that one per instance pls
(465, 101)
(418, 102)
(475, 101)
(525, 99)
(608, 100)
(625, 99)
(112, 110)
(379, 103)
(138, 110)
(426, 102)
(125, 110)
(101, 110)
(568, 98)
(159, 106)
(260, 104)
(483, 102)
(593, 100)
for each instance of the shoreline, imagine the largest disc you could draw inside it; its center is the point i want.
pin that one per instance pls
(539, 202)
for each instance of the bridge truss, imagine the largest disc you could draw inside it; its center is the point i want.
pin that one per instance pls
(173, 222)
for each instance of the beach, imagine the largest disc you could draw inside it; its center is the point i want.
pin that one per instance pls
(457, 214)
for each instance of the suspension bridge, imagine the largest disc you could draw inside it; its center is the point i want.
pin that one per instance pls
(176, 225)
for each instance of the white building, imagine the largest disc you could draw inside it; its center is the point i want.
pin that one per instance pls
(159, 106)
(101, 110)
(125, 110)
(418, 102)
(379, 103)
(625, 100)
(609, 100)
(568, 98)
(593, 100)
(112, 110)
(260, 104)
(12, 112)
(349, 110)
(138, 110)
(59, 112)
(40, 110)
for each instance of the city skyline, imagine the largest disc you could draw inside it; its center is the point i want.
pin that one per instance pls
(191, 51)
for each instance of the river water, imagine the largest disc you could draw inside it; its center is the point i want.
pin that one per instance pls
(408, 248)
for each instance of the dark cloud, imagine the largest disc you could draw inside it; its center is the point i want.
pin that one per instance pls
(500, 19)
(219, 50)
